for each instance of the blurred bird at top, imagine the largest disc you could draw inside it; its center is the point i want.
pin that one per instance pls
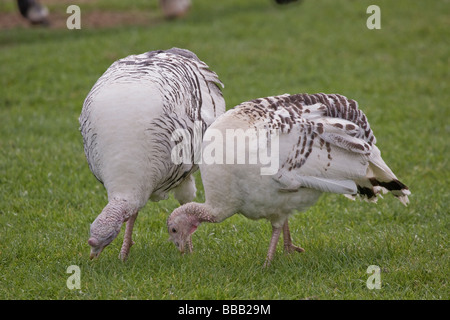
(33, 11)
(285, 1)
(174, 8)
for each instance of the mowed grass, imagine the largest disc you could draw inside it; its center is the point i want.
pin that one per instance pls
(398, 74)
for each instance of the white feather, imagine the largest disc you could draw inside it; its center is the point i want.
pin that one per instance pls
(325, 145)
(132, 111)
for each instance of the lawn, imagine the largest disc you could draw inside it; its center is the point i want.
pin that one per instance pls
(399, 74)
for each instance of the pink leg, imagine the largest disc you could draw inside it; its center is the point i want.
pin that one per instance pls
(189, 243)
(127, 241)
(288, 246)
(273, 245)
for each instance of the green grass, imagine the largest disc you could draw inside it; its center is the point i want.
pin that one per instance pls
(399, 75)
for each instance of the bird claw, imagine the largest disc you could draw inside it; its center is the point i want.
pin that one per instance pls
(123, 254)
(288, 249)
(266, 263)
(125, 250)
(291, 248)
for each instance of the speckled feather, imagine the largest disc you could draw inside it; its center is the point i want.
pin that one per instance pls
(187, 91)
(325, 137)
(325, 144)
(127, 122)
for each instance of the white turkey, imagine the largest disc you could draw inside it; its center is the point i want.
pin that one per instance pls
(323, 144)
(127, 123)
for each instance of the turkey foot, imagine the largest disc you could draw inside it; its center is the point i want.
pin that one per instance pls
(289, 247)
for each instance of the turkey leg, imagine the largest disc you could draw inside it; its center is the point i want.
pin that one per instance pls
(127, 241)
(276, 231)
(288, 246)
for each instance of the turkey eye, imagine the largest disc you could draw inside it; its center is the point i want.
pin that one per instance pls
(174, 230)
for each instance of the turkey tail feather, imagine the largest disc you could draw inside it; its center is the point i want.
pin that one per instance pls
(380, 179)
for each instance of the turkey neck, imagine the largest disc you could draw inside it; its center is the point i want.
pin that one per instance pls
(201, 211)
(116, 210)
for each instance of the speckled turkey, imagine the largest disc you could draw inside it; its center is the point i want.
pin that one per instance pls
(127, 122)
(324, 144)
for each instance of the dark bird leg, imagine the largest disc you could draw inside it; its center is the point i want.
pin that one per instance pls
(127, 241)
(273, 245)
(288, 246)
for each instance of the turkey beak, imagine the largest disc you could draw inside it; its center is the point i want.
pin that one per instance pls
(95, 248)
(178, 243)
(94, 255)
(95, 252)
(182, 245)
